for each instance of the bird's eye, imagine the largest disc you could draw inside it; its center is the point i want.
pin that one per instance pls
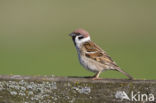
(81, 37)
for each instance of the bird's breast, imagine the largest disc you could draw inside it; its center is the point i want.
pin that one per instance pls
(88, 64)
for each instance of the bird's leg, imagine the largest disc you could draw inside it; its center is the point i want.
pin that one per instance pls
(96, 76)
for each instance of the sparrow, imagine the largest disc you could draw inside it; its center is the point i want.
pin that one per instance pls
(91, 56)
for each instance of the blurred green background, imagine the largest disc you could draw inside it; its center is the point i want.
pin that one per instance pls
(34, 36)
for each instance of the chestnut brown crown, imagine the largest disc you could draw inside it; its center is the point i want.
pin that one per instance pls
(77, 32)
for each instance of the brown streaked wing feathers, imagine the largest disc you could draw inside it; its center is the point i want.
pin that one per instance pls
(96, 53)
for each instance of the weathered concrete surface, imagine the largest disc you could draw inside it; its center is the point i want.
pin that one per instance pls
(49, 89)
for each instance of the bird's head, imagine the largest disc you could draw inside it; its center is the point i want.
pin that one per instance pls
(80, 36)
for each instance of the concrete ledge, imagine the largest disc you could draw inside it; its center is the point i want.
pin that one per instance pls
(50, 89)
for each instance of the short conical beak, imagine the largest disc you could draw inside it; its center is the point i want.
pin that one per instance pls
(71, 34)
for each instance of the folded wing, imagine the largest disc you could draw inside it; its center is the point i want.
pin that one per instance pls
(96, 53)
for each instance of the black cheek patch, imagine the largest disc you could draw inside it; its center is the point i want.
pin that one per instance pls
(81, 37)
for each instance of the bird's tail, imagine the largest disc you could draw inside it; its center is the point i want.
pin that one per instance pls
(123, 72)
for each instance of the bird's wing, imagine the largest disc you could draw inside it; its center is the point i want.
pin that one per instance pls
(92, 51)
(96, 53)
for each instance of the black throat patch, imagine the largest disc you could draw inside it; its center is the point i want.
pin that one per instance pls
(73, 38)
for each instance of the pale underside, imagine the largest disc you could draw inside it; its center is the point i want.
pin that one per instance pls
(94, 58)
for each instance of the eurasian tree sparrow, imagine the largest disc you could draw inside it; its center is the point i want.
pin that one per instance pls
(91, 56)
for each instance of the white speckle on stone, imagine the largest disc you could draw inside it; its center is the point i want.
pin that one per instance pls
(13, 93)
(54, 98)
(37, 97)
(30, 93)
(29, 87)
(84, 90)
(53, 85)
(17, 87)
(22, 94)
(69, 84)
(46, 95)
(22, 82)
(12, 82)
(23, 88)
(1, 86)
